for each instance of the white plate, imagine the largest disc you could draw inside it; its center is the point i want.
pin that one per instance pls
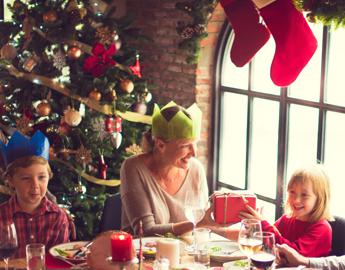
(148, 250)
(236, 265)
(68, 247)
(224, 251)
(191, 266)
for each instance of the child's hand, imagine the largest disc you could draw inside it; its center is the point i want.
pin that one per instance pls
(251, 213)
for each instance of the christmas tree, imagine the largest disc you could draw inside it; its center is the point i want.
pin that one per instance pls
(67, 69)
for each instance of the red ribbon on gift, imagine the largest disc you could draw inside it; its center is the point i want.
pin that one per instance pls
(101, 59)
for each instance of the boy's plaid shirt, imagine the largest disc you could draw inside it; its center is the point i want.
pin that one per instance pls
(47, 225)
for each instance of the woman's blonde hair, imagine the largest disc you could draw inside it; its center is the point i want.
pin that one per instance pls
(25, 162)
(321, 188)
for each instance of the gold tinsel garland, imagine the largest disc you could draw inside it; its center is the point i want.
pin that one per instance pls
(105, 109)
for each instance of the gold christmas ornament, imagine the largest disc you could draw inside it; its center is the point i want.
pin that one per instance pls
(50, 16)
(8, 52)
(127, 86)
(44, 108)
(72, 117)
(95, 95)
(74, 52)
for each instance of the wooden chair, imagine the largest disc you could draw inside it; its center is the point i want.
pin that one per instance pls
(338, 236)
(111, 216)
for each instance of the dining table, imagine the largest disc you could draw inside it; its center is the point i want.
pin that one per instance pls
(99, 251)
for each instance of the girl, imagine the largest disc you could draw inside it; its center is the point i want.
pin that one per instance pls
(304, 226)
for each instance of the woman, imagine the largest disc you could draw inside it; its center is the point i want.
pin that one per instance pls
(156, 185)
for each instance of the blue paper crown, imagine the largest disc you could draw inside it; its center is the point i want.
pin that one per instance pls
(21, 146)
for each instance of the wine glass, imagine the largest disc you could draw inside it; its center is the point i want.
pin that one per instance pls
(263, 258)
(8, 241)
(194, 213)
(247, 241)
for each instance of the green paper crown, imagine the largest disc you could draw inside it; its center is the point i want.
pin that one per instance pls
(180, 126)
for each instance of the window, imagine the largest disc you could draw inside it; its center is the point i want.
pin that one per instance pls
(264, 132)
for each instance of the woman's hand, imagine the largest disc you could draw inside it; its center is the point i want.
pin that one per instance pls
(207, 220)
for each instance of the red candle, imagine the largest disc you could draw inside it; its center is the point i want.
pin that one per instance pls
(121, 246)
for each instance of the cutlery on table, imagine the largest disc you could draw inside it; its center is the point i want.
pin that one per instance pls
(82, 250)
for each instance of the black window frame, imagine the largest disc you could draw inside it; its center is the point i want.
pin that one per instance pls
(284, 103)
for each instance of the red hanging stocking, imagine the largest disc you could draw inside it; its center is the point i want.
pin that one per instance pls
(295, 42)
(250, 34)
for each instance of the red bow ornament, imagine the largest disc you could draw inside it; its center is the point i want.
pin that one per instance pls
(101, 59)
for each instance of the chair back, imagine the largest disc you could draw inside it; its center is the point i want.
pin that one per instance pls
(111, 216)
(338, 236)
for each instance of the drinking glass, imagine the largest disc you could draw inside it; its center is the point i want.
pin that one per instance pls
(194, 213)
(247, 240)
(201, 246)
(8, 241)
(263, 258)
(35, 256)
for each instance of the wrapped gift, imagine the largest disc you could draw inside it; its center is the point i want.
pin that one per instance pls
(228, 205)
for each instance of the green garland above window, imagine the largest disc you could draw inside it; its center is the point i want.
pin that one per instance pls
(328, 12)
(192, 33)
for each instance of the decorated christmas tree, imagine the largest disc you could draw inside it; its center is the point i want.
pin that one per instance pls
(67, 69)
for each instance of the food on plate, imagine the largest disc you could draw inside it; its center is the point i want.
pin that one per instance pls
(64, 253)
(215, 249)
(72, 252)
(241, 263)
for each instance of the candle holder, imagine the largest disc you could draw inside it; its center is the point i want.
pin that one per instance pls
(128, 265)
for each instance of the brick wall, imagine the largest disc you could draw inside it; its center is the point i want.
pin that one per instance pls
(164, 65)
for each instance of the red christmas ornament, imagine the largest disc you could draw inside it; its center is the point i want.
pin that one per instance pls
(136, 69)
(102, 167)
(118, 124)
(109, 124)
(101, 59)
(113, 125)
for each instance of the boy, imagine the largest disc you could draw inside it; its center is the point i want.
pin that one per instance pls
(37, 219)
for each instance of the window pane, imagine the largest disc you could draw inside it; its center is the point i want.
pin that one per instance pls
(261, 70)
(302, 137)
(335, 159)
(307, 85)
(268, 210)
(233, 76)
(232, 152)
(263, 173)
(336, 78)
